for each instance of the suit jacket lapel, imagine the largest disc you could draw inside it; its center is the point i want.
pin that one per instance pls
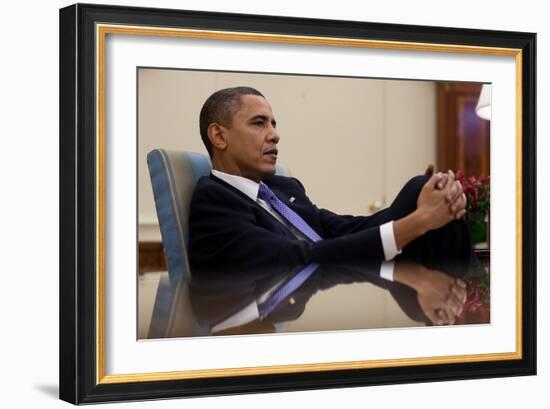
(274, 223)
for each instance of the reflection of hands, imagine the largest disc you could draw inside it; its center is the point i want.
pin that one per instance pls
(440, 296)
(456, 197)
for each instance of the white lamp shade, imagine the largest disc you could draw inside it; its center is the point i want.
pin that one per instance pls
(483, 108)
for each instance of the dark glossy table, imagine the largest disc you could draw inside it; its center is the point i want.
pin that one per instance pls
(333, 298)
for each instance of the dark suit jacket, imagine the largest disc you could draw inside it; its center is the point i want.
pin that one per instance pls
(230, 233)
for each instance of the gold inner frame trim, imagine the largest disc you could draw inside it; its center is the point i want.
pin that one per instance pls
(286, 369)
(100, 205)
(519, 207)
(296, 39)
(101, 32)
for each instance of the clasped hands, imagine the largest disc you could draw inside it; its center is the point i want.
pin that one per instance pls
(442, 198)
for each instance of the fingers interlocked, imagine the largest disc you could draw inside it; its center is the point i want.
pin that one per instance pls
(455, 193)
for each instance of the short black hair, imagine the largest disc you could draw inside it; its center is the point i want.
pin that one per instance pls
(220, 107)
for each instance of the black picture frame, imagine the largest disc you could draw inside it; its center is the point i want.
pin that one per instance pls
(80, 361)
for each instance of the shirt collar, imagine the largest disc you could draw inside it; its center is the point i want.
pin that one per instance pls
(247, 186)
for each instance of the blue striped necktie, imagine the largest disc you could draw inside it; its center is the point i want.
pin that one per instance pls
(289, 215)
(300, 224)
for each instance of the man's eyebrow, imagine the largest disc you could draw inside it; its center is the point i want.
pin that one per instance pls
(263, 118)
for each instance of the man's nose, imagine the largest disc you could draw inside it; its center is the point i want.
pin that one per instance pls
(273, 135)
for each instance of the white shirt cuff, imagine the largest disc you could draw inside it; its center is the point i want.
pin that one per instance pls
(386, 270)
(388, 241)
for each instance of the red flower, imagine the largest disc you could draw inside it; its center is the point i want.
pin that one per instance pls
(476, 191)
(484, 180)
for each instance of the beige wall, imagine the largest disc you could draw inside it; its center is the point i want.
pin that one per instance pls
(350, 141)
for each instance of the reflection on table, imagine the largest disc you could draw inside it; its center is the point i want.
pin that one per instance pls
(333, 298)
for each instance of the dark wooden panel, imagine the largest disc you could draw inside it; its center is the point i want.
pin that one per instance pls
(462, 137)
(151, 257)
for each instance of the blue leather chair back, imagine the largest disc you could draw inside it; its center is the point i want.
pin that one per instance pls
(174, 175)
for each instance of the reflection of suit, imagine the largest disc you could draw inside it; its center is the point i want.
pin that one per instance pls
(214, 300)
(230, 233)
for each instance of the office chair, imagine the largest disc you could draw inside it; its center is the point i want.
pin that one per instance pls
(174, 175)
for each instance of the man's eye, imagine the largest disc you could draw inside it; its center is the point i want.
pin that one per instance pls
(259, 123)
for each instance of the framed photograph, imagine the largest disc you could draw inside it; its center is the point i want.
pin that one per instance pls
(356, 111)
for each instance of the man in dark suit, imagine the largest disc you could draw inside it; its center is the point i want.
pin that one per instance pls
(235, 228)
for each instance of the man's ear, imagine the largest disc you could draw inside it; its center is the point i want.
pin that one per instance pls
(216, 134)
